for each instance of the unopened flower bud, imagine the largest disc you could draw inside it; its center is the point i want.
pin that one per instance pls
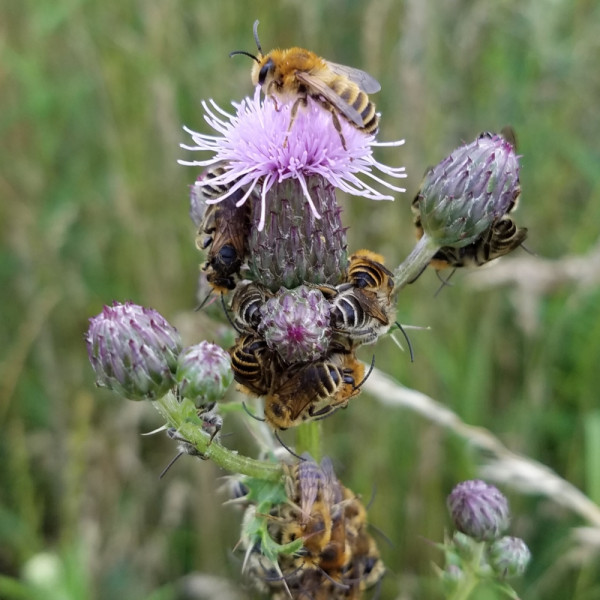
(479, 510)
(509, 557)
(133, 351)
(295, 247)
(203, 374)
(464, 194)
(452, 578)
(295, 323)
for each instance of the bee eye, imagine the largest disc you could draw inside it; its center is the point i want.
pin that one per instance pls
(264, 71)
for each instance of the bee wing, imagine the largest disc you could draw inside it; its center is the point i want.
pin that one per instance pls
(367, 83)
(320, 87)
(369, 303)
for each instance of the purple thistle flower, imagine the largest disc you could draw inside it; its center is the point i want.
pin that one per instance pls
(478, 510)
(203, 374)
(296, 324)
(256, 146)
(133, 351)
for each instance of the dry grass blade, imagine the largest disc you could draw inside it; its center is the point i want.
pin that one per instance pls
(502, 466)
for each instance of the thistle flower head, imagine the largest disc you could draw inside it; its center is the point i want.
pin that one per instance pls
(295, 323)
(133, 351)
(479, 510)
(259, 147)
(203, 374)
(464, 194)
(509, 557)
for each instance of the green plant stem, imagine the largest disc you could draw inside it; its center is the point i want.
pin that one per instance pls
(472, 578)
(171, 409)
(415, 262)
(308, 439)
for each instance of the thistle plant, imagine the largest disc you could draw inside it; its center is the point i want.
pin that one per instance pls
(266, 209)
(477, 552)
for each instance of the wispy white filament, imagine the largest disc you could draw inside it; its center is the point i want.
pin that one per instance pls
(257, 145)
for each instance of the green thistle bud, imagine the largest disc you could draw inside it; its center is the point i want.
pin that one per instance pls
(295, 323)
(133, 351)
(479, 510)
(464, 194)
(452, 578)
(509, 557)
(296, 247)
(203, 374)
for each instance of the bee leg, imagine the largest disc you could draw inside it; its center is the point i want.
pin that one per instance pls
(338, 127)
(293, 113)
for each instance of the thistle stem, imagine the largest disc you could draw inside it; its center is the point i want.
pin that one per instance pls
(169, 407)
(308, 439)
(415, 262)
(472, 578)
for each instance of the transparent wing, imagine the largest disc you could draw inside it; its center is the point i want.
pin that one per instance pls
(367, 83)
(316, 85)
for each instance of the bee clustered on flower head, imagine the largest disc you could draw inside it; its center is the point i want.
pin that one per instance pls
(313, 542)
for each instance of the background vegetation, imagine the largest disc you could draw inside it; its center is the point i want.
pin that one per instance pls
(94, 208)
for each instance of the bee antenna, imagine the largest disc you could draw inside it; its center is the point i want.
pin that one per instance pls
(288, 448)
(245, 54)
(531, 252)
(199, 307)
(342, 586)
(417, 275)
(227, 313)
(255, 31)
(410, 348)
(381, 534)
(253, 416)
(356, 387)
(171, 463)
(282, 577)
(445, 282)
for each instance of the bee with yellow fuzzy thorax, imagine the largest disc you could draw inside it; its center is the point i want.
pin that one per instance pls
(297, 72)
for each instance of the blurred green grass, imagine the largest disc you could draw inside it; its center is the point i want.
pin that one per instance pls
(94, 208)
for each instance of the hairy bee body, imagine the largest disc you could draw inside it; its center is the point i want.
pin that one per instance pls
(367, 272)
(253, 363)
(360, 315)
(503, 237)
(312, 390)
(338, 559)
(300, 73)
(224, 233)
(246, 304)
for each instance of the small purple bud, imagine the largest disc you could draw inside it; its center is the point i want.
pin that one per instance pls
(133, 351)
(464, 194)
(203, 374)
(509, 557)
(296, 324)
(479, 510)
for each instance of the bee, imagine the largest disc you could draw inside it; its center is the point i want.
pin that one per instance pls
(360, 315)
(314, 390)
(503, 235)
(367, 272)
(501, 238)
(253, 362)
(224, 232)
(246, 304)
(299, 73)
